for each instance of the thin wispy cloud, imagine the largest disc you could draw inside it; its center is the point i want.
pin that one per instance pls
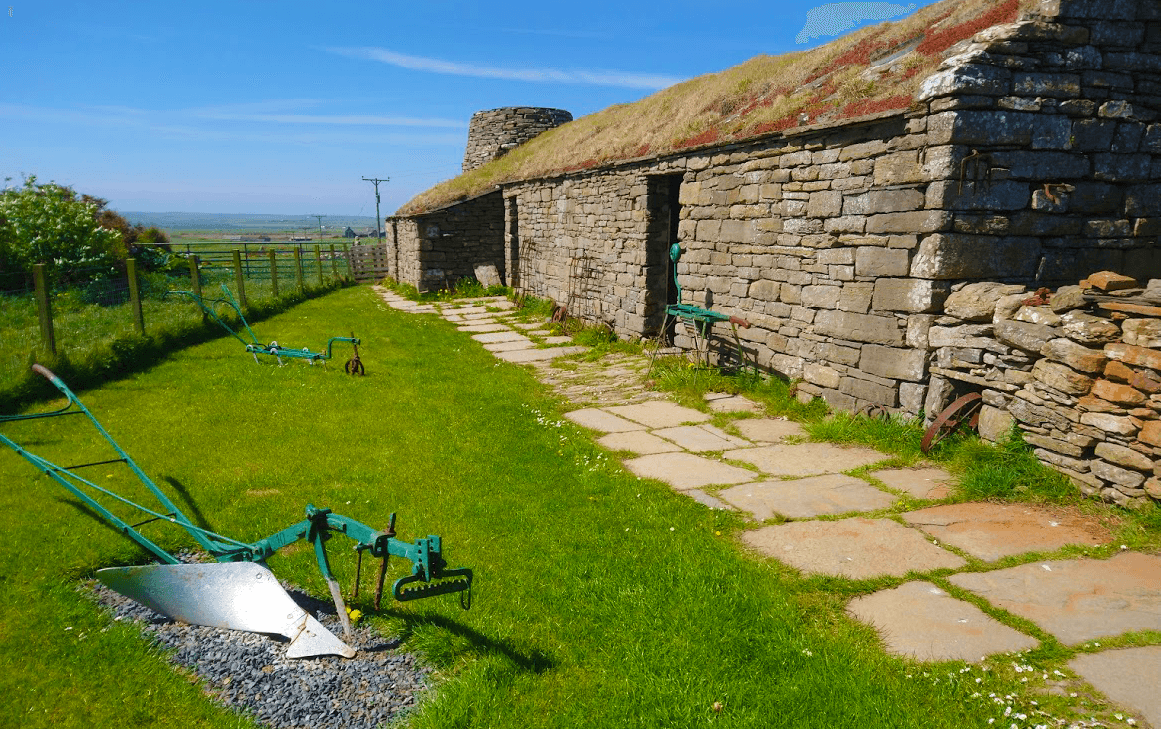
(835, 18)
(593, 77)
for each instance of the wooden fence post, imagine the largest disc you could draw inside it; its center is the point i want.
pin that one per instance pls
(135, 295)
(195, 279)
(44, 306)
(334, 263)
(274, 272)
(318, 262)
(241, 282)
(347, 258)
(298, 268)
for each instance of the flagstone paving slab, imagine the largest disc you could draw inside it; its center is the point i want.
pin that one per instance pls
(920, 620)
(637, 441)
(536, 355)
(806, 459)
(1077, 600)
(724, 402)
(699, 438)
(556, 340)
(504, 336)
(463, 310)
(509, 346)
(1129, 676)
(527, 325)
(687, 471)
(992, 531)
(922, 483)
(705, 499)
(660, 414)
(802, 498)
(483, 328)
(769, 430)
(606, 422)
(480, 316)
(854, 548)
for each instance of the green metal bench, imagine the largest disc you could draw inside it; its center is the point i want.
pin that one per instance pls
(701, 320)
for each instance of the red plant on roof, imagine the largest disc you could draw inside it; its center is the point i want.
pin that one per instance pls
(940, 41)
(874, 106)
(585, 165)
(777, 125)
(707, 137)
(641, 151)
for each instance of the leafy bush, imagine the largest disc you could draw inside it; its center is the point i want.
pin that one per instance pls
(46, 223)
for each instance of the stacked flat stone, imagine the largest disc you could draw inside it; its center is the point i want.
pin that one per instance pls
(1082, 382)
(493, 133)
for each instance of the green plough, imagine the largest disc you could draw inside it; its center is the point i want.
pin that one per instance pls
(238, 591)
(353, 366)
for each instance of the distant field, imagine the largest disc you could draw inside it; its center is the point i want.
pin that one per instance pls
(242, 223)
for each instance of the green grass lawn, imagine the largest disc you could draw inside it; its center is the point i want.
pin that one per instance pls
(601, 600)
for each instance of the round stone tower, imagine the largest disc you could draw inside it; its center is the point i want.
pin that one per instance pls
(492, 133)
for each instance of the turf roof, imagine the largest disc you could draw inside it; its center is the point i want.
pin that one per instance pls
(875, 69)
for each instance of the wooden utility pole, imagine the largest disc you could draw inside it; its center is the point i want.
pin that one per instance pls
(320, 217)
(378, 227)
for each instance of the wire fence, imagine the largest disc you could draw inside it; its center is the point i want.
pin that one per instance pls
(87, 308)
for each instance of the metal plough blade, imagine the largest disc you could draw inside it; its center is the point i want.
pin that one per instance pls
(233, 595)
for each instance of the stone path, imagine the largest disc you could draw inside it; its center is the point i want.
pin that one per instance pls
(890, 520)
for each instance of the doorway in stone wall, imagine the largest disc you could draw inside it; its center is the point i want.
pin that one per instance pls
(512, 239)
(663, 208)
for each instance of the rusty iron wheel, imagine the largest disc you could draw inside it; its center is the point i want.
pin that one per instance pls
(964, 412)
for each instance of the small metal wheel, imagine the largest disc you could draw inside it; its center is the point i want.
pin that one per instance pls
(964, 412)
(876, 412)
(354, 366)
(560, 313)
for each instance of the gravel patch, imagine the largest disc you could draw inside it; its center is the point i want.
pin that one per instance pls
(250, 673)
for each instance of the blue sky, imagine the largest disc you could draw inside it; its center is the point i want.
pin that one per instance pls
(282, 107)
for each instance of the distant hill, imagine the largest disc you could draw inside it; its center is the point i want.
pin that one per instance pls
(246, 222)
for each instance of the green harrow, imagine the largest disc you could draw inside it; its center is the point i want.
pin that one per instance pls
(274, 349)
(238, 591)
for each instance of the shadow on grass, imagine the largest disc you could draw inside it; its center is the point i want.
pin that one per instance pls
(193, 511)
(534, 661)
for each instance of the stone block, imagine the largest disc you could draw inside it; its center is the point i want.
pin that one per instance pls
(1116, 424)
(893, 201)
(918, 221)
(875, 261)
(1142, 332)
(764, 290)
(967, 335)
(977, 301)
(1053, 85)
(898, 169)
(821, 375)
(909, 294)
(1081, 327)
(994, 424)
(1025, 335)
(856, 297)
(826, 204)
(1038, 415)
(956, 255)
(1122, 456)
(836, 256)
(821, 297)
(736, 231)
(1117, 475)
(1074, 355)
(966, 79)
(859, 327)
(978, 195)
(869, 391)
(1118, 393)
(1061, 378)
(1151, 433)
(980, 128)
(894, 363)
(1121, 167)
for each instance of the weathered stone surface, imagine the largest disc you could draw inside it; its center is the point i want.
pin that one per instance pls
(687, 471)
(700, 438)
(1112, 281)
(724, 402)
(859, 327)
(1111, 423)
(1142, 332)
(1039, 415)
(967, 335)
(659, 414)
(808, 497)
(1074, 355)
(1037, 315)
(994, 423)
(1117, 393)
(876, 261)
(909, 294)
(919, 620)
(1090, 329)
(1116, 475)
(992, 531)
(1025, 335)
(853, 548)
(1067, 298)
(805, 459)
(1133, 355)
(1062, 378)
(1122, 456)
(956, 255)
(977, 301)
(596, 419)
(637, 441)
(1151, 433)
(1130, 677)
(769, 430)
(892, 362)
(497, 337)
(922, 483)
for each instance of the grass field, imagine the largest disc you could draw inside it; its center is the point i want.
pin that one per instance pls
(601, 600)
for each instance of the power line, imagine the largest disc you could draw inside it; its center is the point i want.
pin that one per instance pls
(376, 181)
(320, 217)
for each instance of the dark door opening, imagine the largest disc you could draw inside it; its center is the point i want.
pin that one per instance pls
(512, 238)
(663, 209)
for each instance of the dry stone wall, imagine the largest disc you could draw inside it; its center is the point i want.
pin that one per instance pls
(443, 246)
(1081, 379)
(493, 133)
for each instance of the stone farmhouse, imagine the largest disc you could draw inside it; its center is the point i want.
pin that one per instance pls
(1028, 157)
